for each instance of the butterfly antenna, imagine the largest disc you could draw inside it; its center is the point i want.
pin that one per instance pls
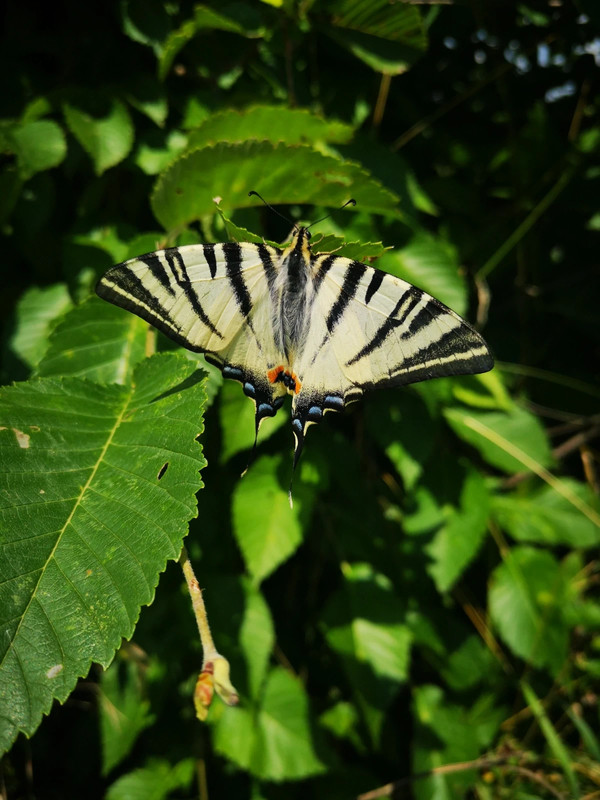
(352, 201)
(274, 210)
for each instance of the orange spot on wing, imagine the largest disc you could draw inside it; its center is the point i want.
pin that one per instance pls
(274, 373)
(298, 384)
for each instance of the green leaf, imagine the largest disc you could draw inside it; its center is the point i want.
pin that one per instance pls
(387, 37)
(236, 413)
(96, 340)
(82, 464)
(527, 596)
(156, 150)
(35, 314)
(359, 251)
(124, 712)
(257, 636)
(267, 530)
(432, 266)
(38, 145)
(546, 517)
(156, 781)
(286, 174)
(274, 743)
(207, 19)
(500, 437)
(447, 733)
(363, 625)
(102, 126)
(268, 123)
(456, 544)
(145, 21)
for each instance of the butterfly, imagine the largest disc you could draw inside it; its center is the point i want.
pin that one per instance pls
(320, 327)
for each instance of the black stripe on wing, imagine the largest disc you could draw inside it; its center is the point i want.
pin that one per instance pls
(177, 266)
(406, 304)
(233, 267)
(352, 278)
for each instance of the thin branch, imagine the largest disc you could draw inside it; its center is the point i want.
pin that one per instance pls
(384, 88)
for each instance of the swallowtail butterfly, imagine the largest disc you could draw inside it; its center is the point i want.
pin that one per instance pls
(322, 328)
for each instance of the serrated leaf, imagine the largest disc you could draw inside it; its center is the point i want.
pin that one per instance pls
(359, 251)
(546, 517)
(34, 316)
(102, 126)
(285, 174)
(38, 145)
(123, 709)
(82, 464)
(155, 781)
(496, 434)
(526, 598)
(389, 37)
(96, 340)
(432, 266)
(274, 743)
(267, 530)
(268, 123)
(456, 544)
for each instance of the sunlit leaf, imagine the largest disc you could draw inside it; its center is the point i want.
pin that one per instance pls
(35, 314)
(285, 174)
(155, 781)
(102, 127)
(80, 552)
(96, 340)
(527, 596)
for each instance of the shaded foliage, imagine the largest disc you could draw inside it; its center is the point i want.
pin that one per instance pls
(429, 599)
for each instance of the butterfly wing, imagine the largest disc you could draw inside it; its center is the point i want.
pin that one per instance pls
(370, 329)
(212, 298)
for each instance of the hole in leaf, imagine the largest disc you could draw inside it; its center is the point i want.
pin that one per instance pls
(162, 470)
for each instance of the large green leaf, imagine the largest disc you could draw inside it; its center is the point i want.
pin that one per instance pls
(268, 123)
(273, 743)
(547, 517)
(96, 340)
(528, 597)
(284, 174)
(97, 486)
(102, 126)
(256, 636)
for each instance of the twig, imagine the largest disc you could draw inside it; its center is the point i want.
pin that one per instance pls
(208, 645)
(384, 88)
(445, 769)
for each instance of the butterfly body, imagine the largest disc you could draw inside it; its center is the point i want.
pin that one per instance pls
(319, 327)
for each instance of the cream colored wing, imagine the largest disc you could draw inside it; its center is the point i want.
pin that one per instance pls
(215, 299)
(370, 329)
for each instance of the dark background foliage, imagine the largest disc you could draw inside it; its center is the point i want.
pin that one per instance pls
(431, 601)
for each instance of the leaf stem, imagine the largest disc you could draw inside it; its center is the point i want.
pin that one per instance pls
(208, 645)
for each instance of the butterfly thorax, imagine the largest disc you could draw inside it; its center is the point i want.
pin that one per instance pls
(291, 325)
